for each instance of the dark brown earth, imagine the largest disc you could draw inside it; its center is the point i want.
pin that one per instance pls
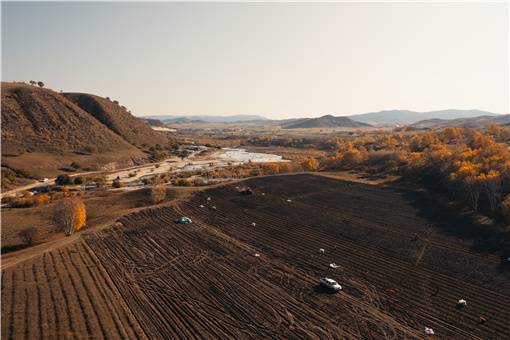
(203, 280)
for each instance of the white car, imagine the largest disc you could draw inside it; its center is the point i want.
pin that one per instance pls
(331, 284)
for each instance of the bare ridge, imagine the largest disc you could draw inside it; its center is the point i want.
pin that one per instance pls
(117, 119)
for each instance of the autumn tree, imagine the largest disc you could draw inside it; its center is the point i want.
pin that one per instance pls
(310, 164)
(70, 215)
(270, 168)
(33, 82)
(157, 190)
(40, 83)
(493, 129)
(285, 167)
(449, 134)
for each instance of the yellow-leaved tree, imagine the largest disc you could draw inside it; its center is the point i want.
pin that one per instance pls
(70, 215)
(157, 190)
(310, 164)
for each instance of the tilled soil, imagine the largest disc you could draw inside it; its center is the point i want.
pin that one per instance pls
(203, 280)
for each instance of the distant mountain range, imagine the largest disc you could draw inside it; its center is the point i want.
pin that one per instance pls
(405, 117)
(220, 119)
(381, 118)
(502, 120)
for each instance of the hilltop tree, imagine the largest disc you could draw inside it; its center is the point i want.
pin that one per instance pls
(32, 82)
(40, 83)
(70, 215)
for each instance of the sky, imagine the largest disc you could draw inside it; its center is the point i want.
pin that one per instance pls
(274, 59)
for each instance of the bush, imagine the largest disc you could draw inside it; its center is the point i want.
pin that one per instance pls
(132, 174)
(184, 183)
(9, 175)
(29, 235)
(63, 180)
(76, 165)
(117, 184)
(24, 173)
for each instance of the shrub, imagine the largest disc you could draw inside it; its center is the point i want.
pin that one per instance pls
(183, 182)
(76, 165)
(132, 174)
(117, 184)
(63, 180)
(9, 175)
(29, 235)
(100, 181)
(24, 173)
(79, 180)
(90, 149)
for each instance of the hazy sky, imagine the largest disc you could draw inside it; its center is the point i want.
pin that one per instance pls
(277, 60)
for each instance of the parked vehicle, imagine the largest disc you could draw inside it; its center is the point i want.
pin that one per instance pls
(331, 284)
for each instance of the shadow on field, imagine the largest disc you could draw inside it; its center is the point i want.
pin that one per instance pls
(320, 289)
(484, 239)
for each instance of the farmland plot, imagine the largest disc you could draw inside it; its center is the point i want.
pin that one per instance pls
(204, 281)
(63, 294)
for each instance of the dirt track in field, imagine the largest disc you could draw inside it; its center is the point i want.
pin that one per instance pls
(203, 280)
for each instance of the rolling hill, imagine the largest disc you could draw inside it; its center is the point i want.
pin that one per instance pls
(40, 119)
(54, 131)
(474, 121)
(326, 121)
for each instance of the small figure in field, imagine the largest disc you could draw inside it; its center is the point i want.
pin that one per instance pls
(436, 292)
(335, 247)
(416, 237)
(482, 320)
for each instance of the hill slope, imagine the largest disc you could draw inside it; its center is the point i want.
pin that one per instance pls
(40, 119)
(326, 121)
(117, 119)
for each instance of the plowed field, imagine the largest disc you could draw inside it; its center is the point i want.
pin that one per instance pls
(203, 280)
(63, 294)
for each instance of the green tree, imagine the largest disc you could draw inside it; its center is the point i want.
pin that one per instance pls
(63, 180)
(184, 154)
